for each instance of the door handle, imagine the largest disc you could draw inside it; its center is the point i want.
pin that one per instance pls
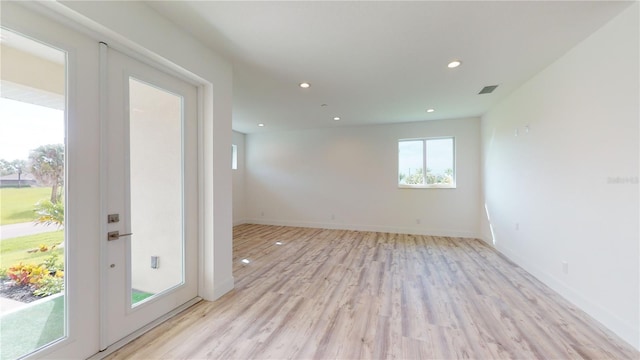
(115, 235)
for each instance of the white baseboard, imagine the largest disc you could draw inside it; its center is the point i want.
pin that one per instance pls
(375, 228)
(239, 222)
(119, 344)
(620, 327)
(222, 288)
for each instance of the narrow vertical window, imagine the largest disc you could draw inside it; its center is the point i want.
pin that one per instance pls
(234, 157)
(426, 163)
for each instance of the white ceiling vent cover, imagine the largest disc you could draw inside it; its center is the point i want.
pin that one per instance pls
(487, 89)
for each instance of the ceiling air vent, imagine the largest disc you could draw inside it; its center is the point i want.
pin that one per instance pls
(487, 89)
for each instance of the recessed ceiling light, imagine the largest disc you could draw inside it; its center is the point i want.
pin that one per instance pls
(454, 64)
(261, 124)
(431, 110)
(336, 118)
(305, 85)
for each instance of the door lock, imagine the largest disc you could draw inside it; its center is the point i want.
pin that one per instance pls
(115, 235)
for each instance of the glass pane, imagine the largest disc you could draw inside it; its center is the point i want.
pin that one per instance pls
(410, 162)
(234, 157)
(32, 196)
(440, 161)
(156, 190)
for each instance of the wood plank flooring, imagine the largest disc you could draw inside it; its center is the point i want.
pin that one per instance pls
(333, 294)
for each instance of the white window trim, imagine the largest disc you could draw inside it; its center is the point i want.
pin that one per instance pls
(424, 161)
(234, 157)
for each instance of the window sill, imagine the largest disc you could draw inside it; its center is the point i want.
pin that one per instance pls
(435, 186)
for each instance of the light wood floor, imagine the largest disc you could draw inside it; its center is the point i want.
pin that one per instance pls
(331, 294)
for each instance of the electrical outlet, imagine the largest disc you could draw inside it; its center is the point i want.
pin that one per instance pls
(418, 221)
(517, 226)
(154, 262)
(261, 213)
(565, 267)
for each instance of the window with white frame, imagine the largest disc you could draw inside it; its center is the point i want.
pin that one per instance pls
(234, 156)
(427, 163)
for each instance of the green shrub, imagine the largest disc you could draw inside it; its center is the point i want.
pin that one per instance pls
(27, 274)
(46, 279)
(49, 285)
(48, 213)
(52, 263)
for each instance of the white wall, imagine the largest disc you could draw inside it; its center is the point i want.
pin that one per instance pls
(557, 182)
(347, 178)
(239, 211)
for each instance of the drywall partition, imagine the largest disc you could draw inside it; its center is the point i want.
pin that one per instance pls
(560, 161)
(135, 27)
(347, 178)
(239, 211)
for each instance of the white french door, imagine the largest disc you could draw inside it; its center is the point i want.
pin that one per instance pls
(74, 316)
(151, 201)
(140, 161)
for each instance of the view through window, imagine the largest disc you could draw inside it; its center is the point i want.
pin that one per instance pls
(234, 157)
(32, 196)
(426, 162)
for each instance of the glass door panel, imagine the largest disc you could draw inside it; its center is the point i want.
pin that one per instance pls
(155, 168)
(151, 195)
(33, 251)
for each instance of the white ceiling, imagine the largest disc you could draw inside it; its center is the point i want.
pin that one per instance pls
(380, 62)
(22, 92)
(16, 41)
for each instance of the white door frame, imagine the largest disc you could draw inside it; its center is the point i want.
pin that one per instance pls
(204, 91)
(76, 28)
(215, 98)
(82, 209)
(120, 68)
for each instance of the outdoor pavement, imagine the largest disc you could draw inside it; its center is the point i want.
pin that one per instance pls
(23, 229)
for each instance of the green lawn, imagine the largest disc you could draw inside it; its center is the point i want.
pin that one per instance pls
(16, 204)
(14, 251)
(137, 295)
(27, 329)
